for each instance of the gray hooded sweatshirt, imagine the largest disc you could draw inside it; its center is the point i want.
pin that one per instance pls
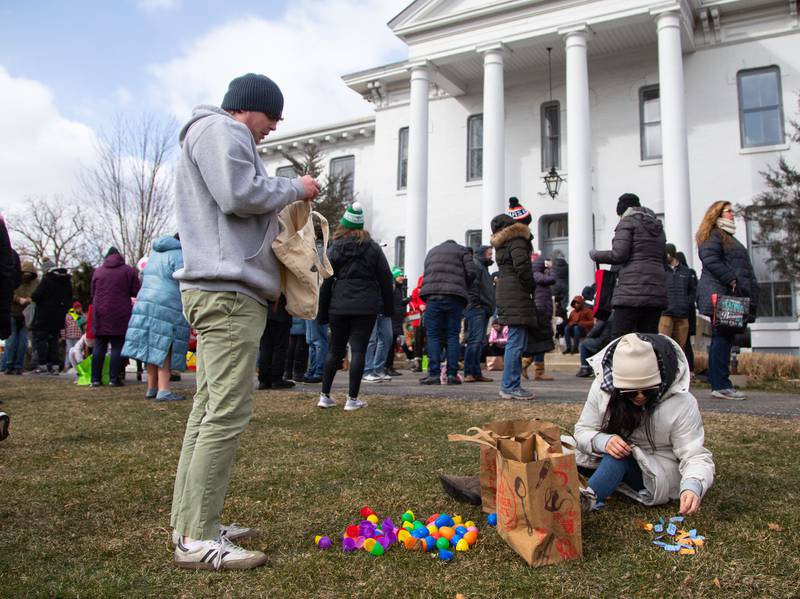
(227, 208)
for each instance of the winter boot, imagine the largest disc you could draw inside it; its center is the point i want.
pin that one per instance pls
(466, 489)
(526, 362)
(538, 369)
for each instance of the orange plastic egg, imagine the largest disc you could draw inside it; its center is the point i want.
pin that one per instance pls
(447, 532)
(411, 542)
(470, 537)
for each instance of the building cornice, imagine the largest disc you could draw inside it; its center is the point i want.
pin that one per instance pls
(344, 132)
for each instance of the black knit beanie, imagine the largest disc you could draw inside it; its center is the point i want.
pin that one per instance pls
(518, 212)
(627, 200)
(111, 251)
(254, 92)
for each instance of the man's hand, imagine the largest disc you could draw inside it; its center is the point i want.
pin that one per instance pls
(311, 187)
(690, 503)
(617, 448)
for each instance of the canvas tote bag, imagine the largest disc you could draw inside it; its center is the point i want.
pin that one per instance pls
(537, 497)
(302, 270)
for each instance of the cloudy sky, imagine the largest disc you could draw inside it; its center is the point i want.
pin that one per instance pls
(68, 68)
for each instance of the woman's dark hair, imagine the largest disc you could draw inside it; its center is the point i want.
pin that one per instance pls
(360, 235)
(623, 417)
(177, 236)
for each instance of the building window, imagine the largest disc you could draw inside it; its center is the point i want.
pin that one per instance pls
(650, 122)
(473, 239)
(400, 252)
(551, 135)
(286, 171)
(475, 147)
(776, 299)
(760, 107)
(341, 173)
(402, 158)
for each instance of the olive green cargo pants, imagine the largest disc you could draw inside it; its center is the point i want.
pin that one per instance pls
(229, 326)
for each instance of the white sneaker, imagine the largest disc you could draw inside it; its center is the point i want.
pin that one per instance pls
(325, 401)
(732, 394)
(354, 404)
(217, 555)
(385, 376)
(372, 378)
(588, 499)
(232, 531)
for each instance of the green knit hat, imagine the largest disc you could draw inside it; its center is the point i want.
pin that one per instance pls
(353, 217)
(397, 272)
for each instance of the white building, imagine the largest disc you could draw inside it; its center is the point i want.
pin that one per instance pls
(682, 102)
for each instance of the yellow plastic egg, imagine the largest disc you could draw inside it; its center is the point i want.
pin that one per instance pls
(369, 544)
(402, 535)
(408, 526)
(469, 523)
(456, 520)
(373, 518)
(432, 528)
(462, 545)
(316, 539)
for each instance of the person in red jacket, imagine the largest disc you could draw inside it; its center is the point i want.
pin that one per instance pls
(579, 322)
(414, 315)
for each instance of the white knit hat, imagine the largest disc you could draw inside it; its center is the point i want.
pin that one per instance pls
(635, 365)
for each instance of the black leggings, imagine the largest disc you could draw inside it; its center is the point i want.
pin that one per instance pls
(635, 320)
(345, 328)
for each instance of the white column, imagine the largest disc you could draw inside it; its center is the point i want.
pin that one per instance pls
(674, 146)
(417, 184)
(494, 164)
(579, 164)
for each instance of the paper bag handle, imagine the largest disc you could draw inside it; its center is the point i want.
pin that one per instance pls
(481, 437)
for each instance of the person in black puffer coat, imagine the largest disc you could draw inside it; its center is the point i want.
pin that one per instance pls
(514, 294)
(350, 300)
(727, 270)
(544, 279)
(448, 275)
(638, 246)
(53, 297)
(476, 316)
(400, 301)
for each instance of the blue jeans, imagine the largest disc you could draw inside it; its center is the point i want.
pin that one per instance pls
(719, 359)
(16, 346)
(611, 472)
(380, 343)
(317, 339)
(512, 358)
(572, 336)
(475, 321)
(443, 315)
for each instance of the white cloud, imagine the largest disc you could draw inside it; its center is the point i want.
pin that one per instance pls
(41, 151)
(157, 5)
(306, 52)
(122, 96)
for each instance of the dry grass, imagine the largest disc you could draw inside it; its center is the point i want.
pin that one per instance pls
(761, 367)
(87, 480)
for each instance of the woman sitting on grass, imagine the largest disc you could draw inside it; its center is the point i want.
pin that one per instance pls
(640, 431)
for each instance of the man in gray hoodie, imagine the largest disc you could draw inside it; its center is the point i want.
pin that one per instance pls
(227, 211)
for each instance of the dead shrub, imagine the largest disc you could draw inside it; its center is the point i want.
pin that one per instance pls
(762, 367)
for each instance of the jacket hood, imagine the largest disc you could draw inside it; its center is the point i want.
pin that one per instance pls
(481, 253)
(506, 230)
(200, 112)
(114, 261)
(166, 243)
(577, 302)
(672, 365)
(647, 218)
(348, 247)
(538, 264)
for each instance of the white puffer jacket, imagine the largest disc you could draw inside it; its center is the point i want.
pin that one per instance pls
(680, 460)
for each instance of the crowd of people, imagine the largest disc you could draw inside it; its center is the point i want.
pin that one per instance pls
(219, 279)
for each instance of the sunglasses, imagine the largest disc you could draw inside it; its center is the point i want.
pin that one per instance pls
(650, 393)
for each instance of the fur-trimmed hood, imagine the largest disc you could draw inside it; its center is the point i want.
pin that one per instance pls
(505, 232)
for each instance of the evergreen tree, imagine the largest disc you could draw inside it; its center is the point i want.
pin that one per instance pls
(82, 284)
(335, 191)
(777, 213)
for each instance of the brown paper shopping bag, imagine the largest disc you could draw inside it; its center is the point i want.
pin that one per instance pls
(538, 508)
(533, 488)
(516, 439)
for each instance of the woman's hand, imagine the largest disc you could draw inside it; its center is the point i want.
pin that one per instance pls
(690, 503)
(617, 448)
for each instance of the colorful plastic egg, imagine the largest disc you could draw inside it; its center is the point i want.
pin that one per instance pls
(366, 511)
(348, 544)
(431, 518)
(491, 519)
(445, 555)
(446, 532)
(407, 517)
(432, 528)
(469, 523)
(417, 524)
(408, 526)
(420, 533)
(385, 542)
(455, 539)
(402, 535)
(471, 537)
(462, 546)
(469, 528)
(443, 520)
(360, 542)
(377, 549)
(369, 544)
(442, 543)
(461, 530)
(316, 539)
(373, 518)
(411, 543)
(325, 543)
(457, 519)
(430, 543)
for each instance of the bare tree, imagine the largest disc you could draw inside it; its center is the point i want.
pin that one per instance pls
(50, 227)
(130, 185)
